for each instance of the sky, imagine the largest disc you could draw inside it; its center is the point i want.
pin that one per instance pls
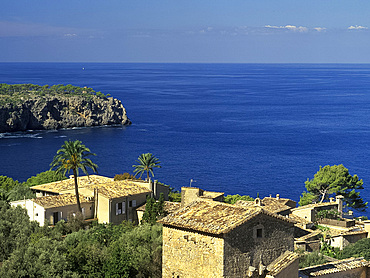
(186, 31)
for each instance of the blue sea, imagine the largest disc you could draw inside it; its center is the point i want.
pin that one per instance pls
(236, 128)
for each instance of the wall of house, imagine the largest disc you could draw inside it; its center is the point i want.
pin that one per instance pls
(246, 246)
(306, 213)
(103, 209)
(35, 212)
(191, 254)
(129, 213)
(65, 211)
(291, 271)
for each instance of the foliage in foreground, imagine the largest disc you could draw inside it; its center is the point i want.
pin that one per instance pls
(28, 250)
(334, 180)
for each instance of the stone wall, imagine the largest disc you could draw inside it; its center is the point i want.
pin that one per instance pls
(263, 237)
(189, 254)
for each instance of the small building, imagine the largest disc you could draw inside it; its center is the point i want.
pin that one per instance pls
(308, 212)
(214, 239)
(111, 201)
(354, 268)
(55, 208)
(344, 238)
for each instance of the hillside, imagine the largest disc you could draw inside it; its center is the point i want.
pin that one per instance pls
(33, 107)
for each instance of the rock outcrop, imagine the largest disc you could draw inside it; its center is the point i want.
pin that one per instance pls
(55, 112)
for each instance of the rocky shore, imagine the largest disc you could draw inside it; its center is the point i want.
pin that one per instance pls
(55, 112)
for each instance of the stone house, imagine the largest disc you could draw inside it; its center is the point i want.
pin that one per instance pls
(108, 201)
(214, 239)
(191, 194)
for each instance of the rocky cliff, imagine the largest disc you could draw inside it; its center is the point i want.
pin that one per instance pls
(54, 112)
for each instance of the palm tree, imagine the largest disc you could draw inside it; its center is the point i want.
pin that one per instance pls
(73, 156)
(147, 162)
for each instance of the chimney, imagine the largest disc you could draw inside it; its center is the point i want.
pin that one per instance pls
(339, 201)
(189, 194)
(331, 199)
(277, 196)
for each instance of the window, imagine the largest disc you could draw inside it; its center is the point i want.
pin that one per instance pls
(120, 208)
(37, 214)
(134, 203)
(130, 204)
(259, 233)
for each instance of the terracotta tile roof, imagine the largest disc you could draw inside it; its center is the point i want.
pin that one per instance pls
(60, 200)
(283, 201)
(282, 262)
(312, 235)
(299, 220)
(272, 205)
(68, 184)
(214, 217)
(106, 186)
(211, 194)
(334, 267)
(116, 189)
(334, 232)
(244, 203)
(169, 207)
(324, 204)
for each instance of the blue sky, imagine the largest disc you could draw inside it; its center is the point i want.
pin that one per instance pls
(224, 31)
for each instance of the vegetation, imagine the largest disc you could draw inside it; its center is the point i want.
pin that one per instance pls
(45, 177)
(334, 180)
(73, 156)
(174, 195)
(124, 176)
(147, 162)
(18, 93)
(12, 190)
(359, 249)
(153, 210)
(28, 250)
(311, 259)
(328, 213)
(232, 199)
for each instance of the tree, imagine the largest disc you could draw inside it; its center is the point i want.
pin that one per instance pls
(153, 210)
(73, 156)
(45, 177)
(232, 199)
(331, 181)
(147, 162)
(359, 249)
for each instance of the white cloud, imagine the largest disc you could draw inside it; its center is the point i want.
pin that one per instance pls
(289, 27)
(357, 27)
(70, 35)
(320, 29)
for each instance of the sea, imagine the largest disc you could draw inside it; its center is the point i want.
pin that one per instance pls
(248, 129)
